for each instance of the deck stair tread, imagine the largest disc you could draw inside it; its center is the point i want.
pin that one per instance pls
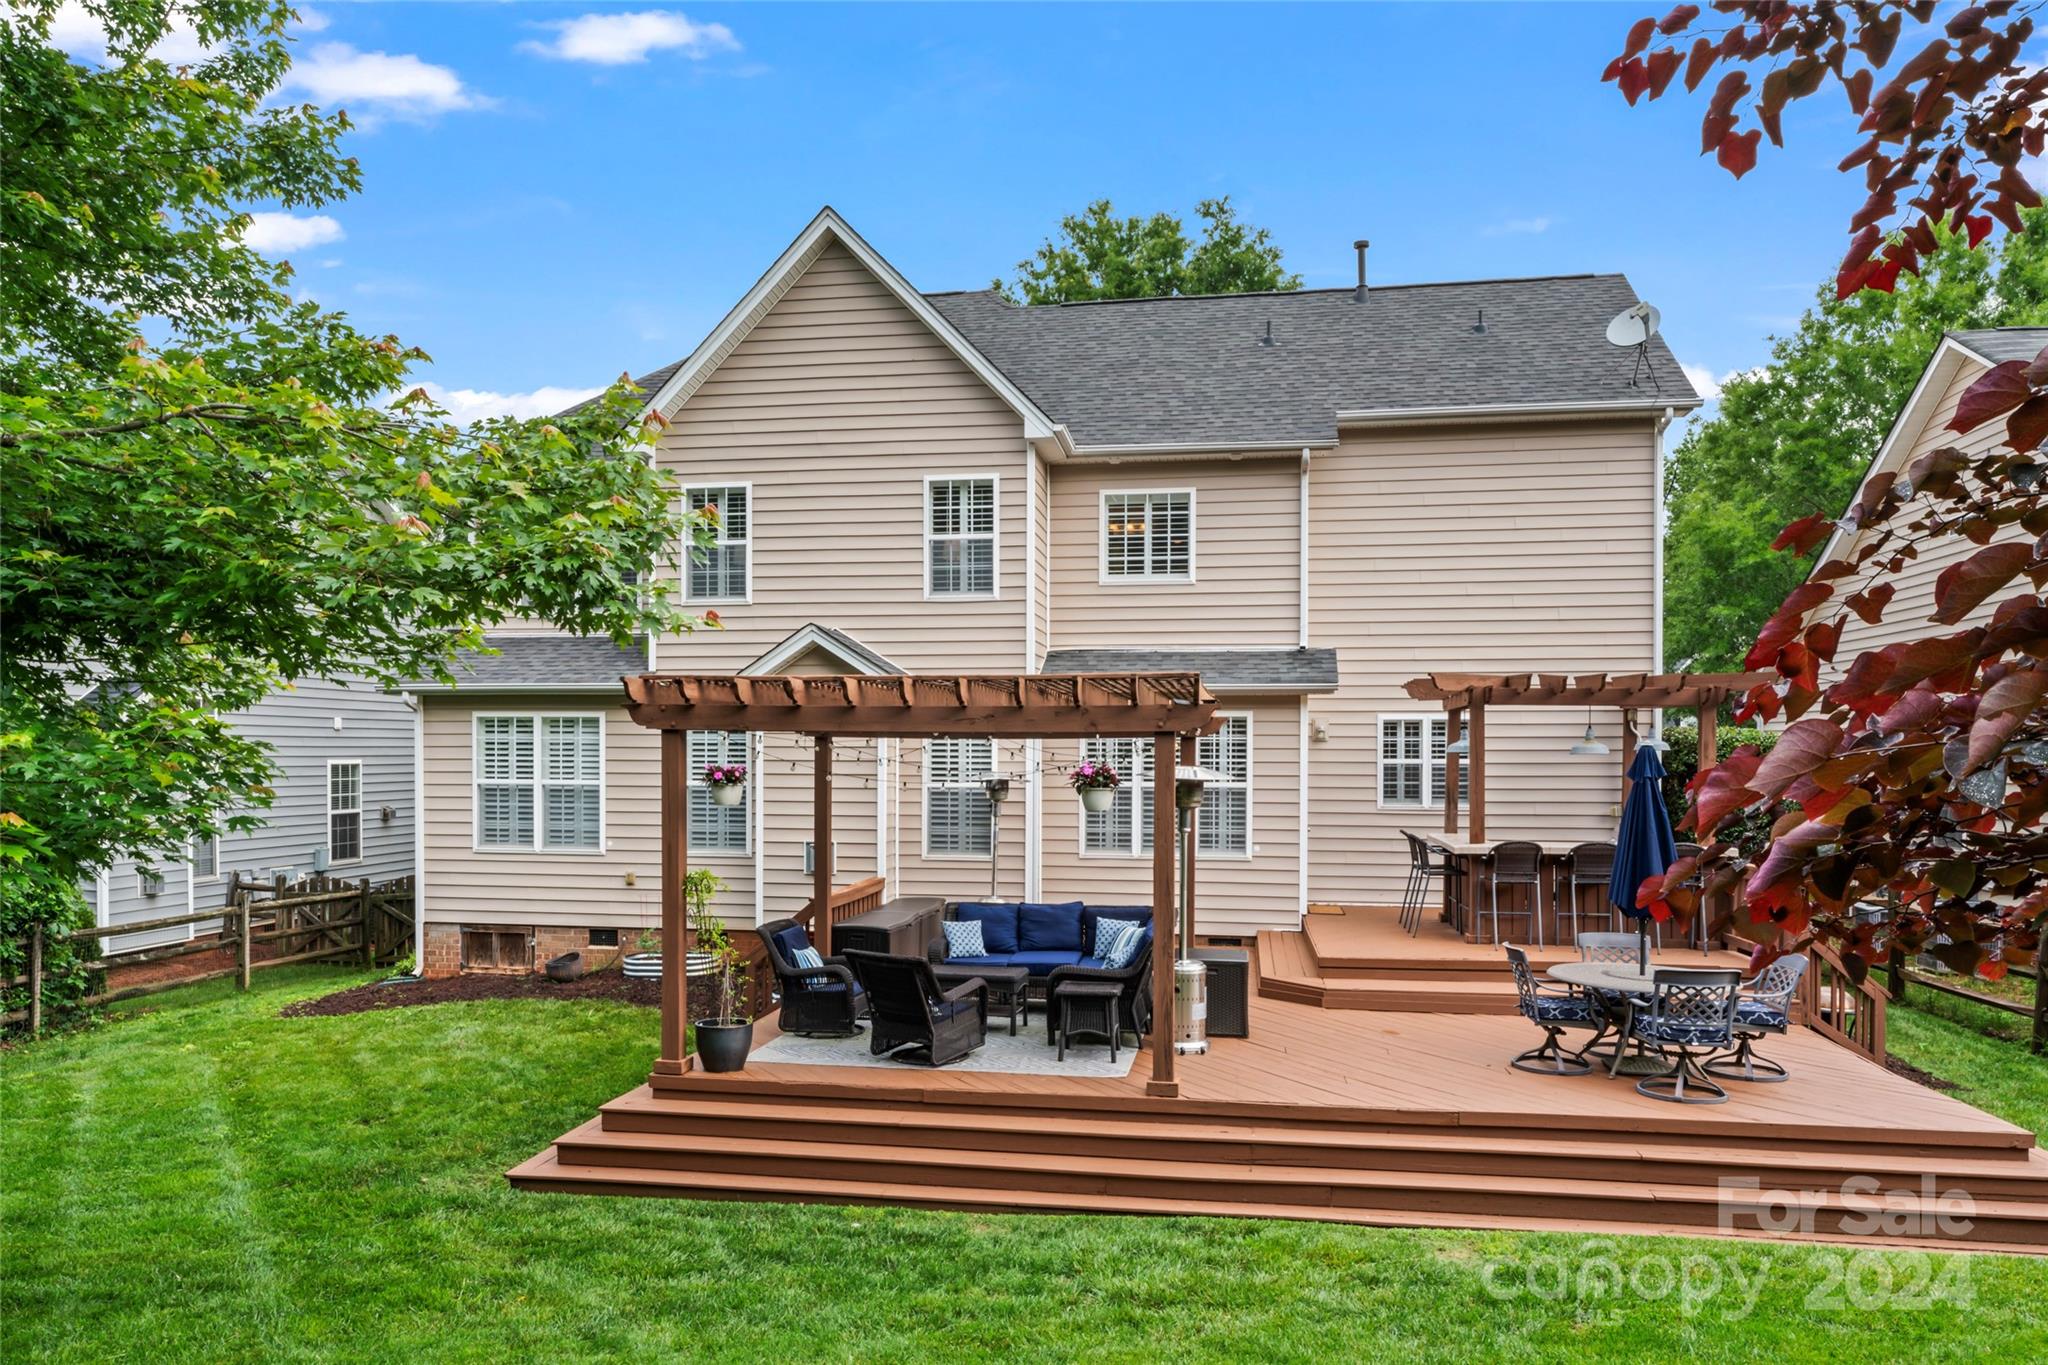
(547, 1171)
(592, 1138)
(1274, 1142)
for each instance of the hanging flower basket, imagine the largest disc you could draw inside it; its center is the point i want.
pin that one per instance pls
(727, 781)
(1097, 784)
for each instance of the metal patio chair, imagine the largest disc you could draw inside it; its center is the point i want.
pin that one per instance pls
(1690, 1015)
(1589, 865)
(1553, 1011)
(1765, 1006)
(1603, 946)
(1425, 869)
(1516, 863)
(1698, 930)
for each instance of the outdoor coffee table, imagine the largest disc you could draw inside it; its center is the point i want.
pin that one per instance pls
(1622, 980)
(1005, 988)
(1086, 1007)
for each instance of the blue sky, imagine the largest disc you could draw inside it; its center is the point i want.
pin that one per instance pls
(541, 208)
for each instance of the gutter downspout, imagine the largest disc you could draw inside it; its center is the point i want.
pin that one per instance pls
(419, 832)
(1301, 774)
(1657, 562)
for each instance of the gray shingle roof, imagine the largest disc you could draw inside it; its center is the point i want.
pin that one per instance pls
(543, 663)
(2000, 344)
(1222, 670)
(1192, 370)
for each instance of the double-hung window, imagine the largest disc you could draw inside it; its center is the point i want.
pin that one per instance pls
(539, 782)
(1412, 761)
(719, 574)
(206, 858)
(1224, 823)
(344, 810)
(958, 816)
(1126, 827)
(716, 828)
(960, 537)
(1148, 536)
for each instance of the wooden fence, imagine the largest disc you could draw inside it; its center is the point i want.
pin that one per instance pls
(1839, 1007)
(317, 919)
(1901, 974)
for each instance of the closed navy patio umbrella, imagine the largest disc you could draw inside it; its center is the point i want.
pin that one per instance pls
(1643, 846)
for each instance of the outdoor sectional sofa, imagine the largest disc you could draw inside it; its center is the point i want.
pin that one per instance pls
(1055, 942)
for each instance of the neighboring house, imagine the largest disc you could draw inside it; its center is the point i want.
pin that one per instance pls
(1310, 497)
(1923, 425)
(344, 806)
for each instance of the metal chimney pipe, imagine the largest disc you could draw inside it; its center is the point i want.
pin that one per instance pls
(1360, 245)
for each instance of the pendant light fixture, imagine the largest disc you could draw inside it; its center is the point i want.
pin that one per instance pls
(1589, 745)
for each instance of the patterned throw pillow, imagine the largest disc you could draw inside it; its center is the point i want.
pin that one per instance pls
(1116, 941)
(963, 938)
(809, 957)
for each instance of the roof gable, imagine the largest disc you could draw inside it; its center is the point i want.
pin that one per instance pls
(673, 386)
(813, 640)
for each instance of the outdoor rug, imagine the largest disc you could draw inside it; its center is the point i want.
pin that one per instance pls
(1027, 1054)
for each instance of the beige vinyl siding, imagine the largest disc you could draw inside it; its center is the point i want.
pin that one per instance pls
(836, 408)
(1905, 617)
(1482, 550)
(1247, 550)
(470, 886)
(1233, 895)
(1041, 557)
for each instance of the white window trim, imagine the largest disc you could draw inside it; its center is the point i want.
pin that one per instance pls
(362, 826)
(924, 781)
(696, 776)
(1103, 576)
(476, 813)
(683, 565)
(1379, 761)
(191, 860)
(1250, 795)
(995, 540)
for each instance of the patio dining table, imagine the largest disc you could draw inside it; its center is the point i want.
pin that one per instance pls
(1617, 983)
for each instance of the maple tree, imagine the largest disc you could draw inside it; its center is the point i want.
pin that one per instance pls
(1916, 772)
(1943, 139)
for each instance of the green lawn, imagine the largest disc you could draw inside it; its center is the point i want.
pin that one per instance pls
(205, 1180)
(1984, 1051)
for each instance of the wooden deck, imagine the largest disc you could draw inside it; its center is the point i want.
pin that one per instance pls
(1378, 1117)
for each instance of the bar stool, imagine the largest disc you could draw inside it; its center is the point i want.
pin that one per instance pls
(1423, 871)
(1516, 863)
(1586, 865)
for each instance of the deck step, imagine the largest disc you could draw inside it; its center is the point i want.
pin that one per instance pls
(632, 1163)
(1289, 970)
(1591, 1155)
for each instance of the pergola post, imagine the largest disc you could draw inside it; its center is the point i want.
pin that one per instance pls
(821, 842)
(1476, 813)
(1162, 1083)
(1454, 727)
(1628, 749)
(1710, 739)
(675, 869)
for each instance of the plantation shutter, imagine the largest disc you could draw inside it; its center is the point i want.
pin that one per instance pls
(571, 775)
(1126, 827)
(1224, 824)
(713, 826)
(505, 781)
(719, 574)
(957, 810)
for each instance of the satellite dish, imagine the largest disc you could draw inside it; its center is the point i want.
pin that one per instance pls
(1634, 326)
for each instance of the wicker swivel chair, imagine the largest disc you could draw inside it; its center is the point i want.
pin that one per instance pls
(1586, 866)
(1765, 1006)
(911, 1018)
(1516, 863)
(1553, 1011)
(816, 1001)
(1691, 1015)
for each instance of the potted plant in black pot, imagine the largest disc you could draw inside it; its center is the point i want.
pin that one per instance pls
(725, 1035)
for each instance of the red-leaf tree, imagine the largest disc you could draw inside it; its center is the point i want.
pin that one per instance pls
(1918, 776)
(1941, 138)
(1913, 780)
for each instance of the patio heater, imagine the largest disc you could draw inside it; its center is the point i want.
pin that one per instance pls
(1190, 977)
(997, 788)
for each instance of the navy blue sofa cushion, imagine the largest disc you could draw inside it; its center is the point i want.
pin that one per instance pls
(1002, 961)
(1049, 928)
(1042, 961)
(1092, 913)
(998, 926)
(789, 939)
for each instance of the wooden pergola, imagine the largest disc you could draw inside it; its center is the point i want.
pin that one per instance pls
(1172, 708)
(1470, 694)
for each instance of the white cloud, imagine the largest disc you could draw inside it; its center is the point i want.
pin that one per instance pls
(469, 405)
(1518, 227)
(624, 39)
(281, 232)
(312, 20)
(76, 31)
(380, 83)
(1704, 381)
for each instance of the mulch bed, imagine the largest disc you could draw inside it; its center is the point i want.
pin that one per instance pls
(478, 986)
(1914, 1073)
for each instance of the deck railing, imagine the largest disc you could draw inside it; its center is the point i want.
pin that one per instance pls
(1838, 1006)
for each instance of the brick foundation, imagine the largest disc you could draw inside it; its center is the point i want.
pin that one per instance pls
(444, 946)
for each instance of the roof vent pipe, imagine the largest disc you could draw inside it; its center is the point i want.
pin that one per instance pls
(1361, 244)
